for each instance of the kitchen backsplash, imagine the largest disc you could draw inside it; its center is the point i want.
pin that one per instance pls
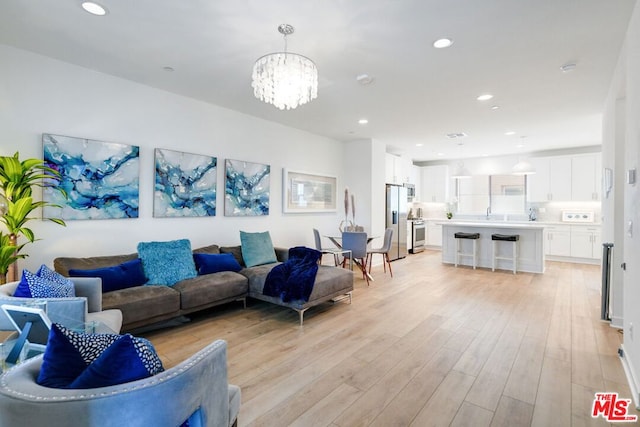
(545, 212)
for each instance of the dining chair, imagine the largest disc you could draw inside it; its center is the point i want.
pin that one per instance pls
(356, 242)
(335, 251)
(383, 250)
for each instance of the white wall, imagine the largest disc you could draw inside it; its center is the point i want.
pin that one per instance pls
(41, 95)
(621, 123)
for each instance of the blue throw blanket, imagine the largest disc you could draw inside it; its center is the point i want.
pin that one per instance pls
(293, 279)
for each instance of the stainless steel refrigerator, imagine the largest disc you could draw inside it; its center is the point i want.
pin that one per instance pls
(396, 218)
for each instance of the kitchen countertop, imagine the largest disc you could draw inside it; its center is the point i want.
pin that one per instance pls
(494, 224)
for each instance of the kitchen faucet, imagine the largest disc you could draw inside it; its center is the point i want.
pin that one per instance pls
(488, 211)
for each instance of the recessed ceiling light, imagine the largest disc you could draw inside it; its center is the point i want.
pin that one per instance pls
(442, 43)
(440, 154)
(363, 121)
(495, 107)
(509, 133)
(419, 145)
(520, 145)
(568, 67)
(455, 135)
(484, 97)
(94, 8)
(364, 79)
(168, 69)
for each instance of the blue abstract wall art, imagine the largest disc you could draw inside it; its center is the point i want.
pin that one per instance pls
(100, 178)
(246, 191)
(185, 184)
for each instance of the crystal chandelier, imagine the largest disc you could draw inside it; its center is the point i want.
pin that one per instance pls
(285, 79)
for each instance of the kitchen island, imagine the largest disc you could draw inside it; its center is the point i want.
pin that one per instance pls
(531, 256)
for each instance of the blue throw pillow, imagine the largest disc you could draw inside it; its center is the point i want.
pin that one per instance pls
(167, 263)
(44, 284)
(80, 360)
(214, 263)
(121, 276)
(257, 248)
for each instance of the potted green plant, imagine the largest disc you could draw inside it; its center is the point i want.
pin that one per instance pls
(17, 180)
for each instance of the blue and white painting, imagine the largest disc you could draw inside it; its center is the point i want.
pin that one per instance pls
(246, 190)
(100, 178)
(185, 184)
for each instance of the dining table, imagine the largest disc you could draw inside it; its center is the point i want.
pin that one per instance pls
(337, 240)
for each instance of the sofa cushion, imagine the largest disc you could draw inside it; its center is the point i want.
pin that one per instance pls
(236, 251)
(64, 264)
(166, 263)
(121, 276)
(44, 284)
(203, 290)
(257, 248)
(211, 249)
(142, 302)
(215, 263)
(257, 276)
(80, 360)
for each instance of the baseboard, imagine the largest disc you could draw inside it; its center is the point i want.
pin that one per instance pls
(617, 322)
(628, 371)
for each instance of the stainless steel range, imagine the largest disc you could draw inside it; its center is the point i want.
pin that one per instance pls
(418, 236)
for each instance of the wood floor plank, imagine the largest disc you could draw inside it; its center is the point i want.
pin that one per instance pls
(443, 405)
(512, 413)
(472, 416)
(434, 345)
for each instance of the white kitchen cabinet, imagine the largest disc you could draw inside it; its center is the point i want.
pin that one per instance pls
(435, 184)
(398, 170)
(434, 234)
(565, 178)
(585, 177)
(586, 242)
(558, 240)
(552, 180)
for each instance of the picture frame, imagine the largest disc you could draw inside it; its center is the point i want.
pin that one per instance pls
(246, 188)
(305, 192)
(100, 179)
(185, 184)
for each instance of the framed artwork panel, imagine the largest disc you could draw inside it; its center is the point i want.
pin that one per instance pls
(100, 178)
(246, 188)
(185, 184)
(306, 192)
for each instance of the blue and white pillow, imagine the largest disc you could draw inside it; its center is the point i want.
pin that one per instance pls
(44, 284)
(78, 360)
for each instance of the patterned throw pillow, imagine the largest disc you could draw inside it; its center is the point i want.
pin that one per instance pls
(79, 360)
(44, 284)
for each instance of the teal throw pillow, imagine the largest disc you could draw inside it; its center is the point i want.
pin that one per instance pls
(257, 248)
(167, 263)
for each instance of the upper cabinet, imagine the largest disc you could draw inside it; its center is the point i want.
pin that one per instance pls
(585, 177)
(552, 180)
(398, 170)
(565, 178)
(435, 184)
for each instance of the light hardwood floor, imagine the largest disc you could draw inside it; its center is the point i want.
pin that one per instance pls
(434, 345)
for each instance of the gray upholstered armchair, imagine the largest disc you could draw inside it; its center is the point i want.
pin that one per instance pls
(71, 312)
(196, 389)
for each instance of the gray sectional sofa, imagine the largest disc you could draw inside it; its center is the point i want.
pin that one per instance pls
(145, 305)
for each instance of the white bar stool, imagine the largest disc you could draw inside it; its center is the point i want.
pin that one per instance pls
(470, 236)
(513, 238)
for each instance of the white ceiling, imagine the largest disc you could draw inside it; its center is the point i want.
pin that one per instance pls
(512, 49)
